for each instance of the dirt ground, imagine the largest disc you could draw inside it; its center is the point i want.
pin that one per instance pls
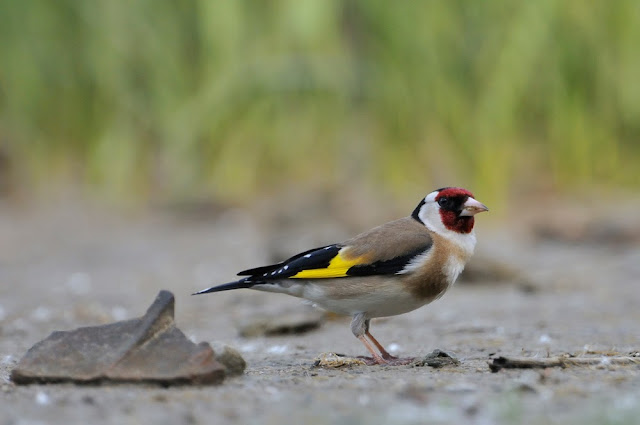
(63, 266)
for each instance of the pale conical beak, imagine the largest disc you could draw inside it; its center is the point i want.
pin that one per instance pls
(472, 207)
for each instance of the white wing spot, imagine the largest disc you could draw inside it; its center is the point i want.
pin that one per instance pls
(307, 256)
(416, 262)
(286, 267)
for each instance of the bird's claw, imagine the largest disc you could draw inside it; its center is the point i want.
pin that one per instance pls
(392, 361)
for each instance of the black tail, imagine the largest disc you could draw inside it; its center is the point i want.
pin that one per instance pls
(239, 284)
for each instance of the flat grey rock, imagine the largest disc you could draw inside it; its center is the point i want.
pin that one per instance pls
(150, 349)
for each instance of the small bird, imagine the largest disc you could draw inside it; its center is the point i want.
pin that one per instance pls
(389, 270)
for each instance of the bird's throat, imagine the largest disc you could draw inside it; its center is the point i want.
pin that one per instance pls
(455, 223)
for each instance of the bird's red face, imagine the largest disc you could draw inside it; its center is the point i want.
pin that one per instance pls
(457, 208)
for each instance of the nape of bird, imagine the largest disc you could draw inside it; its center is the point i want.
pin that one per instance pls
(389, 270)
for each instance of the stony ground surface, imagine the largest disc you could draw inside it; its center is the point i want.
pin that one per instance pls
(65, 266)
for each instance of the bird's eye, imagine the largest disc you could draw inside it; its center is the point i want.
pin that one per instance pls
(443, 201)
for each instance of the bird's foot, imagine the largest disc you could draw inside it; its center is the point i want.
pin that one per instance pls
(370, 361)
(391, 361)
(400, 361)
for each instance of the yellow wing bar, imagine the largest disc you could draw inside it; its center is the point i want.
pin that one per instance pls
(337, 267)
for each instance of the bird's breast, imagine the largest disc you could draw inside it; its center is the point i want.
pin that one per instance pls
(438, 271)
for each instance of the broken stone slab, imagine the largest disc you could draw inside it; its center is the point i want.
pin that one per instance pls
(149, 349)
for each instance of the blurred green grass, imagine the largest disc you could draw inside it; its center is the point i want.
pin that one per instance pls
(226, 99)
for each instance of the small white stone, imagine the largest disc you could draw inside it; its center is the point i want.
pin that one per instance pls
(277, 349)
(248, 348)
(42, 398)
(544, 339)
(393, 347)
(79, 283)
(119, 313)
(41, 314)
(272, 390)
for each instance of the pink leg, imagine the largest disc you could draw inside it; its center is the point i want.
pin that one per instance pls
(376, 357)
(388, 358)
(385, 354)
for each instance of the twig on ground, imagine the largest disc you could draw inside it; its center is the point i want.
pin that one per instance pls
(536, 363)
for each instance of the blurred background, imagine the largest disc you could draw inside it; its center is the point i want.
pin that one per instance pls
(149, 145)
(143, 102)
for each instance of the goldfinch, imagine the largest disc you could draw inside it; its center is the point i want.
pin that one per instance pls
(391, 269)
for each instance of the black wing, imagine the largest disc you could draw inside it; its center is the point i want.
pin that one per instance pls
(325, 262)
(317, 258)
(393, 266)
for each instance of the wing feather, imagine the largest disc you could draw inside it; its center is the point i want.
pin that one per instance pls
(384, 250)
(396, 265)
(273, 267)
(316, 263)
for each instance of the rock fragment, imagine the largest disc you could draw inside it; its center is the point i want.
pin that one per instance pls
(334, 361)
(436, 359)
(231, 359)
(149, 349)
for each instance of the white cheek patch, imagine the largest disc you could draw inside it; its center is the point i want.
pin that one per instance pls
(430, 215)
(431, 197)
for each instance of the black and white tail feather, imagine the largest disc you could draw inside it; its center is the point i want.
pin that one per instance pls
(245, 283)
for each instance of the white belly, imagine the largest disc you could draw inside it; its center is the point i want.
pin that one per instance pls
(372, 305)
(378, 300)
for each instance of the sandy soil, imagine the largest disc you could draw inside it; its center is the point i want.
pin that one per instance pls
(64, 266)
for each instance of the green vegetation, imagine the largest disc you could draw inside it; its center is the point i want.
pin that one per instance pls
(146, 99)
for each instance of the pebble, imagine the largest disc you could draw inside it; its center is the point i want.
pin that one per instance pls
(231, 359)
(333, 360)
(42, 398)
